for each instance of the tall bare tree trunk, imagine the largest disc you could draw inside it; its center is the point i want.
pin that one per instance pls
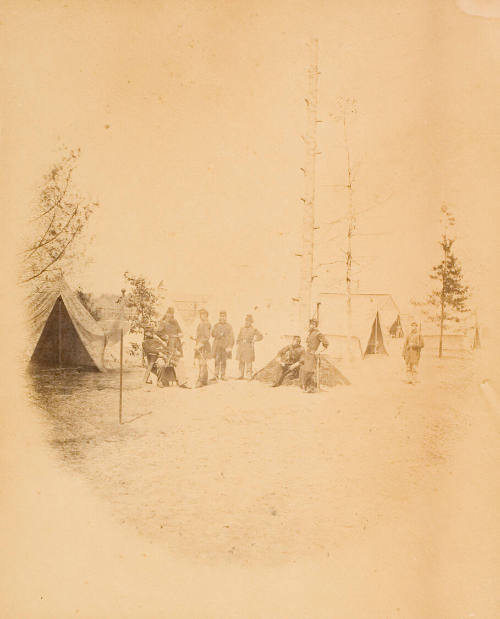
(351, 221)
(310, 186)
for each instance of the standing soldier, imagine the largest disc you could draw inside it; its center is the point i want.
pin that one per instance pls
(223, 335)
(414, 343)
(311, 357)
(203, 349)
(246, 350)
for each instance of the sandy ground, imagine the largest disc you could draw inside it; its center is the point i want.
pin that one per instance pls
(377, 499)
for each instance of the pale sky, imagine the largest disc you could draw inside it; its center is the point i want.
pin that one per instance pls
(190, 115)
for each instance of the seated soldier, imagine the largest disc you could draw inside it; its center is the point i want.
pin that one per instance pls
(290, 358)
(152, 348)
(169, 332)
(160, 361)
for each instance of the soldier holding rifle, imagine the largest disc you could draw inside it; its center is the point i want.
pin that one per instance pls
(412, 348)
(310, 366)
(202, 348)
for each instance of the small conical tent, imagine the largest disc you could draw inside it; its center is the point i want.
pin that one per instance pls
(375, 345)
(62, 332)
(396, 329)
(370, 316)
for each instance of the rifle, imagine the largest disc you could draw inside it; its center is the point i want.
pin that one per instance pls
(318, 365)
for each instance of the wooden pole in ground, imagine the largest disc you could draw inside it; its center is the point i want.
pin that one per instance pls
(59, 333)
(318, 360)
(121, 375)
(122, 313)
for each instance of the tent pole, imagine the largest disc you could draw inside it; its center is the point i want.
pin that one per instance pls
(59, 333)
(121, 375)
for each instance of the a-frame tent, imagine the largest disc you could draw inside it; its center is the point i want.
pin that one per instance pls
(476, 342)
(375, 344)
(396, 329)
(371, 318)
(62, 333)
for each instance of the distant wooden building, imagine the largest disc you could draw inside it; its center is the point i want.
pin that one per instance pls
(108, 307)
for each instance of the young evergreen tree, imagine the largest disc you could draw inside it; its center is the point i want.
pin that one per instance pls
(449, 298)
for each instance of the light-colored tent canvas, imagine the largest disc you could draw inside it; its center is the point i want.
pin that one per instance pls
(372, 317)
(62, 332)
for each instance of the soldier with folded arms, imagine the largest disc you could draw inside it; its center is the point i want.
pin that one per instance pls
(246, 349)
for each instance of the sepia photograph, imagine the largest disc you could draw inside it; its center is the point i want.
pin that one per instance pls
(250, 309)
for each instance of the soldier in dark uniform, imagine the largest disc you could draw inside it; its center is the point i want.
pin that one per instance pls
(290, 358)
(314, 339)
(223, 335)
(413, 345)
(203, 348)
(246, 350)
(169, 328)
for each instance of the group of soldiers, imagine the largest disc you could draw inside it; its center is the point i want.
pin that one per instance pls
(163, 352)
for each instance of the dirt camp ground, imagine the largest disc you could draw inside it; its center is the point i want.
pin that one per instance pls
(241, 472)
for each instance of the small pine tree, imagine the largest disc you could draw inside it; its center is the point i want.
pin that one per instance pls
(450, 297)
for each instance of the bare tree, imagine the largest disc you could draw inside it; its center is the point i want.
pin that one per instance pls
(347, 110)
(59, 218)
(310, 188)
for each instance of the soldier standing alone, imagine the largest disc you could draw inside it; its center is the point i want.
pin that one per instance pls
(246, 350)
(223, 335)
(413, 345)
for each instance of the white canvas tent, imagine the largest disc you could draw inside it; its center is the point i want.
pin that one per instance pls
(372, 317)
(62, 333)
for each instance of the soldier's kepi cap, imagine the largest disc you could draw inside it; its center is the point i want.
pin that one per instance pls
(170, 310)
(414, 324)
(222, 313)
(203, 311)
(249, 317)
